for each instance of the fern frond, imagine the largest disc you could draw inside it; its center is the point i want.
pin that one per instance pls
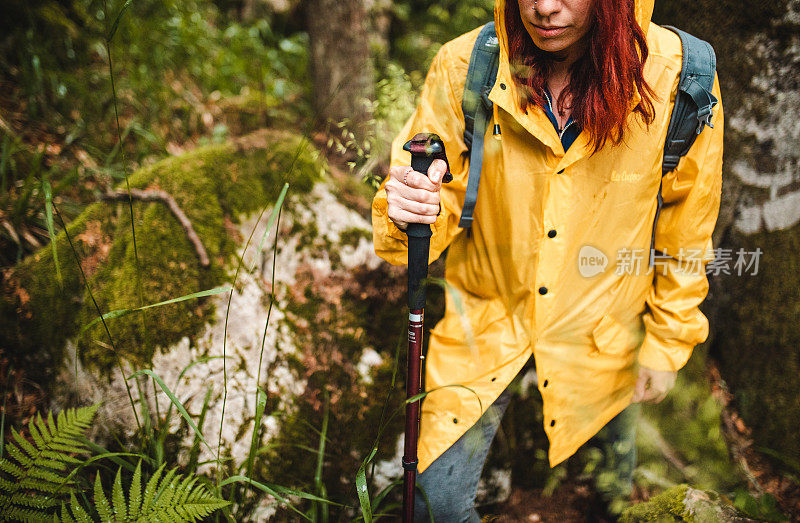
(135, 502)
(151, 489)
(118, 502)
(34, 502)
(32, 473)
(166, 497)
(101, 502)
(80, 515)
(24, 514)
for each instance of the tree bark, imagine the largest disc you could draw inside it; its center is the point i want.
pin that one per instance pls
(755, 334)
(340, 63)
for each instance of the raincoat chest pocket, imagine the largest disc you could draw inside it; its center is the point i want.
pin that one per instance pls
(613, 338)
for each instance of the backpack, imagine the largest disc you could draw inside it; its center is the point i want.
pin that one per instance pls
(692, 111)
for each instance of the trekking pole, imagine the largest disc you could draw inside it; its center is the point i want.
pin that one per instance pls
(424, 149)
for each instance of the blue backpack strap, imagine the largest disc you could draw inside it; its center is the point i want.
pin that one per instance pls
(693, 109)
(477, 107)
(694, 103)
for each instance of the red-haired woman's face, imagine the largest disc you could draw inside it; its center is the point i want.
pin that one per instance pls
(556, 25)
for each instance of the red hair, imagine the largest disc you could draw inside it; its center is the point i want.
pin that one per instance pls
(602, 82)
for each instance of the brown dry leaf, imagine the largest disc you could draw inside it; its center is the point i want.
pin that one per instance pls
(22, 295)
(174, 149)
(85, 159)
(100, 245)
(92, 234)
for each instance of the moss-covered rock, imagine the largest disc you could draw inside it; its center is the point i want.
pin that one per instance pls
(683, 503)
(214, 186)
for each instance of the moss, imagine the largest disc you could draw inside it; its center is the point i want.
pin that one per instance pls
(683, 503)
(353, 235)
(667, 506)
(307, 233)
(211, 184)
(758, 344)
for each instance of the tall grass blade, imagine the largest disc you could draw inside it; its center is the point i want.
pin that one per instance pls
(124, 312)
(3, 414)
(361, 487)
(382, 494)
(228, 310)
(275, 211)
(99, 313)
(269, 489)
(163, 431)
(115, 25)
(194, 452)
(175, 401)
(99, 449)
(261, 405)
(48, 206)
(322, 510)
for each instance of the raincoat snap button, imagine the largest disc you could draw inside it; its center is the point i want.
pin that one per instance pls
(545, 383)
(551, 233)
(552, 422)
(542, 290)
(494, 379)
(502, 86)
(561, 171)
(455, 420)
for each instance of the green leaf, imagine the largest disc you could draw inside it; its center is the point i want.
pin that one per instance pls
(273, 491)
(115, 25)
(275, 209)
(51, 230)
(361, 487)
(124, 312)
(118, 498)
(38, 468)
(150, 490)
(175, 401)
(261, 405)
(135, 503)
(100, 501)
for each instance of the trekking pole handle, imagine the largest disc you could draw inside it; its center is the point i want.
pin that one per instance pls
(424, 149)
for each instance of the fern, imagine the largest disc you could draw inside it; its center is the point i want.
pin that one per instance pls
(164, 499)
(32, 476)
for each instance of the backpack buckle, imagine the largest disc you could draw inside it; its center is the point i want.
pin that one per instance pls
(485, 90)
(704, 115)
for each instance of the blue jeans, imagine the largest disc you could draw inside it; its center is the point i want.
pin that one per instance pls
(451, 481)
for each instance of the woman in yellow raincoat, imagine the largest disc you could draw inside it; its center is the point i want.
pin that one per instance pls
(556, 266)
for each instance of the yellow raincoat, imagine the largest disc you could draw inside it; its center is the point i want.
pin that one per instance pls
(522, 287)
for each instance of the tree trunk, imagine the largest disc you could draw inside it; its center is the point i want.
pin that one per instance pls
(755, 333)
(340, 63)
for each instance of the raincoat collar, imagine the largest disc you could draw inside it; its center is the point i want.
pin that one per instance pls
(505, 92)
